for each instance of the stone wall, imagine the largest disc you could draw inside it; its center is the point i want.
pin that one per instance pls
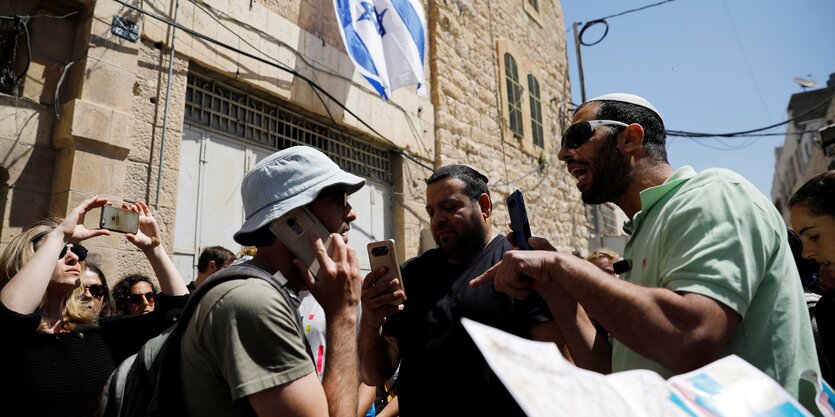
(470, 124)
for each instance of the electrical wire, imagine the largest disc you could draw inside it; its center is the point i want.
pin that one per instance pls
(744, 132)
(280, 66)
(636, 10)
(745, 59)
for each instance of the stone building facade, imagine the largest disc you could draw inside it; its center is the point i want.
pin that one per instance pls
(801, 156)
(96, 113)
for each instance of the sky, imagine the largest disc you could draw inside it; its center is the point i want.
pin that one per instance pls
(708, 66)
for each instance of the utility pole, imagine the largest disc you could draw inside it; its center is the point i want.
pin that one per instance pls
(595, 207)
(579, 61)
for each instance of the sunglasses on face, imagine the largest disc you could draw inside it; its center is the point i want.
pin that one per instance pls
(96, 290)
(78, 250)
(138, 298)
(578, 134)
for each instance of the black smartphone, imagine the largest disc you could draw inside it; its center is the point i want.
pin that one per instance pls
(519, 220)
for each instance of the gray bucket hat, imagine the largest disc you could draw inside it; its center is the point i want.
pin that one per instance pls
(287, 179)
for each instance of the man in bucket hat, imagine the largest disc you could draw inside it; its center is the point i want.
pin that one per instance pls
(243, 352)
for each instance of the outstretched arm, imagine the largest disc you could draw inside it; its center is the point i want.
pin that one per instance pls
(379, 355)
(681, 331)
(23, 293)
(149, 240)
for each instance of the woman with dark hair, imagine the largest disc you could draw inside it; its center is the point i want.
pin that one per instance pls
(96, 290)
(61, 352)
(135, 295)
(813, 219)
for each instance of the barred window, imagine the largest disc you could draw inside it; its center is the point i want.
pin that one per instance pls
(536, 111)
(220, 107)
(514, 95)
(534, 4)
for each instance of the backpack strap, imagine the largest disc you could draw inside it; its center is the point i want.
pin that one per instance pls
(167, 396)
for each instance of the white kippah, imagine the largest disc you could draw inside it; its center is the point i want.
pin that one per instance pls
(628, 98)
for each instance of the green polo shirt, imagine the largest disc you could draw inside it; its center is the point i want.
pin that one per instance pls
(715, 234)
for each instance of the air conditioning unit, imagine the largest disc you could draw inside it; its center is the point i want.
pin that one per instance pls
(826, 139)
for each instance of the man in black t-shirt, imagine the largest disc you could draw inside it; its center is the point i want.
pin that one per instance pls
(441, 370)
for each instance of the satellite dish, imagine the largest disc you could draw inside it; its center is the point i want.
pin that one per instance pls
(805, 83)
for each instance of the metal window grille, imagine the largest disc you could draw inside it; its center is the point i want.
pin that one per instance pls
(536, 111)
(220, 107)
(514, 95)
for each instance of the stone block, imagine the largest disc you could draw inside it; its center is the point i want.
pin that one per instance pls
(153, 30)
(108, 86)
(27, 167)
(121, 129)
(249, 42)
(20, 209)
(97, 174)
(82, 119)
(111, 49)
(25, 122)
(53, 38)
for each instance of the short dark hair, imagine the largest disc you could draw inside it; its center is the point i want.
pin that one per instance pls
(655, 136)
(818, 194)
(475, 183)
(121, 291)
(219, 254)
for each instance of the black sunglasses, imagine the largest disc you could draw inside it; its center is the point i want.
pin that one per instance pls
(96, 290)
(578, 134)
(78, 250)
(137, 298)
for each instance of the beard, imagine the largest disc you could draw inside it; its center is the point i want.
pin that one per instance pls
(611, 175)
(468, 241)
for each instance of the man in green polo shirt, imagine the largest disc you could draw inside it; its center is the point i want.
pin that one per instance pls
(708, 271)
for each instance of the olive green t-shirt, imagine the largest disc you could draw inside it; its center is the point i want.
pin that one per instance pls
(714, 234)
(243, 338)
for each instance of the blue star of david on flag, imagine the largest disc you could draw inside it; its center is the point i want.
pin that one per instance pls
(386, 40)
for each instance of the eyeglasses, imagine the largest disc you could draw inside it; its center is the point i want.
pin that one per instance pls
(78, 250)
(340, 198)
(96, 290)
(578, 134)
(138, 298)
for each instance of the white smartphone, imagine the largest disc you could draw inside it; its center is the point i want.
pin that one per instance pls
(293, 229)
(119, 220)
(382, 254)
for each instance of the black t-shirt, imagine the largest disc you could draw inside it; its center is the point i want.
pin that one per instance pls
(63, 374)
(824, 316)
(440, 364)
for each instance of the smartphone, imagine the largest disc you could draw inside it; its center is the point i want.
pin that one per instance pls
(293, 229)
(382, 254)
(519, 220)
(119, 220)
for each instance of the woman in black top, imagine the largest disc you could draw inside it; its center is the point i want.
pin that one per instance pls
(58, 353)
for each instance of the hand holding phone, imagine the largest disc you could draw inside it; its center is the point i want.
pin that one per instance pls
(519, 220)
(382, 254)
(119, 220)
(293, 229)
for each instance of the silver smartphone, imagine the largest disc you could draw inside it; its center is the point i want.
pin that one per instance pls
(119, 220)
(293, 229)
(383, 254)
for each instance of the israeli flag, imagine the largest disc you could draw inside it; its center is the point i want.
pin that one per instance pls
(386, 40)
